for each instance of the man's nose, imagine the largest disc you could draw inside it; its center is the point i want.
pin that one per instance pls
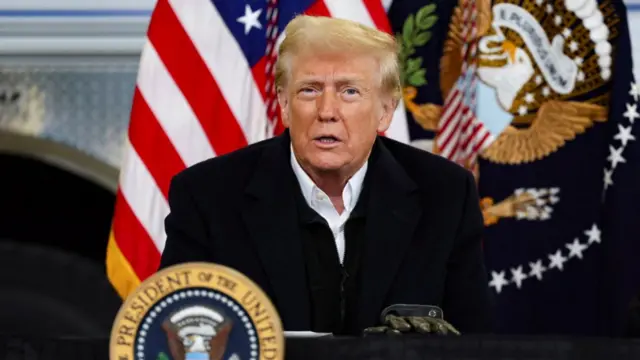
(327, 104)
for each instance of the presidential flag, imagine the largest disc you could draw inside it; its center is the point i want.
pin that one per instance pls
(559, 184)
(538, 99)
(204, 88)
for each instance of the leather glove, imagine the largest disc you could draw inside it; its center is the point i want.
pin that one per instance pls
(423, 319)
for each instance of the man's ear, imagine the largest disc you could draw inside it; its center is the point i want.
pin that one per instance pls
(388, 108)
(283, 101)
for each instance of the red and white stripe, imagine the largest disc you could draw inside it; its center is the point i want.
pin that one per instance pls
(190, 104)
(461, 136)
(271, 55)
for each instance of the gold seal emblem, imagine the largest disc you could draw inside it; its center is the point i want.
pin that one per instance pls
(197, 311)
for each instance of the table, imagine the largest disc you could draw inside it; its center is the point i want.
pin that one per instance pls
(378, 348)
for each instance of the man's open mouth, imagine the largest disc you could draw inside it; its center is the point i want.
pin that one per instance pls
(327, 139)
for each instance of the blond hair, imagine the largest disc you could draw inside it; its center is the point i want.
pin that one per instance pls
(326, 34)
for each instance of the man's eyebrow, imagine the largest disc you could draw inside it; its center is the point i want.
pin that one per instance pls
(343, 79)
(349, 79)
(309, 80)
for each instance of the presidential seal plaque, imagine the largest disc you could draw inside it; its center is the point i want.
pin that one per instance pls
(197, 311)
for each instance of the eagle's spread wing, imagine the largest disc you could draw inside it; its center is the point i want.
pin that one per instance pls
(556, 123)
(451, 61)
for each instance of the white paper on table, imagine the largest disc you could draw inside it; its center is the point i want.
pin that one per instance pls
(304, 334)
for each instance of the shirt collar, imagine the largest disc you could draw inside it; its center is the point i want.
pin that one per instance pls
(311, 191)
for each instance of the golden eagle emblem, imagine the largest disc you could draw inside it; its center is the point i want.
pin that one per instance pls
(549, 62)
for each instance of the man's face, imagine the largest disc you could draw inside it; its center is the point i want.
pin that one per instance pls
(334, 108)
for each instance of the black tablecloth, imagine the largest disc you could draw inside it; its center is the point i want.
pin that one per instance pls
(405, 347)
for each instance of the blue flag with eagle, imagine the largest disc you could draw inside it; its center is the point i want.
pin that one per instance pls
(560, 182)
(560, 179)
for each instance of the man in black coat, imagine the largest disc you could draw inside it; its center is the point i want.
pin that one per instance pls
(331, 220)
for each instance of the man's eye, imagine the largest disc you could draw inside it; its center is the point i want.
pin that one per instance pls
(351, 91)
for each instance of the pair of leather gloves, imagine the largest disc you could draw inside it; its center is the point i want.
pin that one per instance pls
(421, 319)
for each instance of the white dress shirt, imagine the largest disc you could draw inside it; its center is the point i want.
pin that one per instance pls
(321, 203)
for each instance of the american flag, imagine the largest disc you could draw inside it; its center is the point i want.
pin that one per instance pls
(461, 136)
(204, 88)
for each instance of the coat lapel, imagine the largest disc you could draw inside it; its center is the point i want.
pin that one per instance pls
(393, 213)
(270, 215)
